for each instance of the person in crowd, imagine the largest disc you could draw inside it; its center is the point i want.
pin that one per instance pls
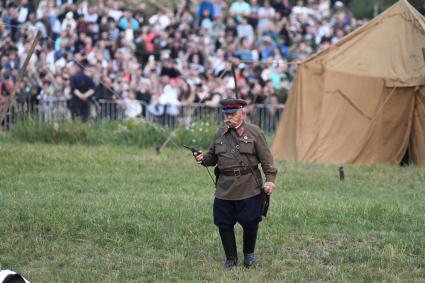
(169, 99)
(82, 88)
(204, 10)
(246, 30)
(266, 16)
(130, 105)
(239, 9)
(45, 99)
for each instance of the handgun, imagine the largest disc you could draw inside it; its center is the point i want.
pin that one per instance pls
(194, 151)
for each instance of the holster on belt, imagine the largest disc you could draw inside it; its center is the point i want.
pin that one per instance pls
(216, 173)
(265, 202)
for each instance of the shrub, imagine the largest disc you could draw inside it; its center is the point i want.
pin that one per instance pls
(138, 133)
(131, 132)
(30, 130)
(198, 134)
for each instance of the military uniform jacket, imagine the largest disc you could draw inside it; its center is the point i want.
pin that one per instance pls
(248, 144)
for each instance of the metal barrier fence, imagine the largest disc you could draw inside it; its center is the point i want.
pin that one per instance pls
(55, 110)
(266, 116)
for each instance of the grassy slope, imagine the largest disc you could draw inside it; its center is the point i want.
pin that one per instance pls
(101, 214)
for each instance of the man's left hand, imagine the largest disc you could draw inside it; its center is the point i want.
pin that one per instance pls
(269, 187)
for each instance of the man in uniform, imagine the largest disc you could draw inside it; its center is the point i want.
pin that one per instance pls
(237, 150)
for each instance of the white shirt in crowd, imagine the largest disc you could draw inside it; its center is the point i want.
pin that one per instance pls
(170, 97)
(23, 14)
(132, 107)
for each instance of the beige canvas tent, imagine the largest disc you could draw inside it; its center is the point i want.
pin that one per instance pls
(363, 99)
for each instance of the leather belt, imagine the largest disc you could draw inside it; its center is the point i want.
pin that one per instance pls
(238, 171)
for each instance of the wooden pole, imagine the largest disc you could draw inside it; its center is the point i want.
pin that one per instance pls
(236, 82)
(20, 75)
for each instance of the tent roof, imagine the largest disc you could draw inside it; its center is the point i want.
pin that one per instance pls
(391, 46)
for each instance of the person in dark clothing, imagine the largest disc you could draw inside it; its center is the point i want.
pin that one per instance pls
(82, 88)
(169, 69)
(144, 95)
(104, 91)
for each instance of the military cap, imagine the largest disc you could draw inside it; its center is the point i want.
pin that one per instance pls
(231, 105)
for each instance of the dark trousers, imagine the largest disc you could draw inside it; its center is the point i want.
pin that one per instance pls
(80, 108)
(247, 212)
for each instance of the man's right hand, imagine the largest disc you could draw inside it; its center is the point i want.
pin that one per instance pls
(199, 157)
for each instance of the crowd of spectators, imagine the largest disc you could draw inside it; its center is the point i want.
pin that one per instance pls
(174, 56)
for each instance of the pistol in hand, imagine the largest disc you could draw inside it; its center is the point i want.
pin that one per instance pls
(199, 157)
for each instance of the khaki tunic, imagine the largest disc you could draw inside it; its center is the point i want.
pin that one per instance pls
(249, 145)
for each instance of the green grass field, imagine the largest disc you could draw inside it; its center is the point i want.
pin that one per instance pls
(124, 214)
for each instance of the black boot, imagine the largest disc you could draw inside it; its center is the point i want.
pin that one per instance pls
(229, 245)
(249, 240)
